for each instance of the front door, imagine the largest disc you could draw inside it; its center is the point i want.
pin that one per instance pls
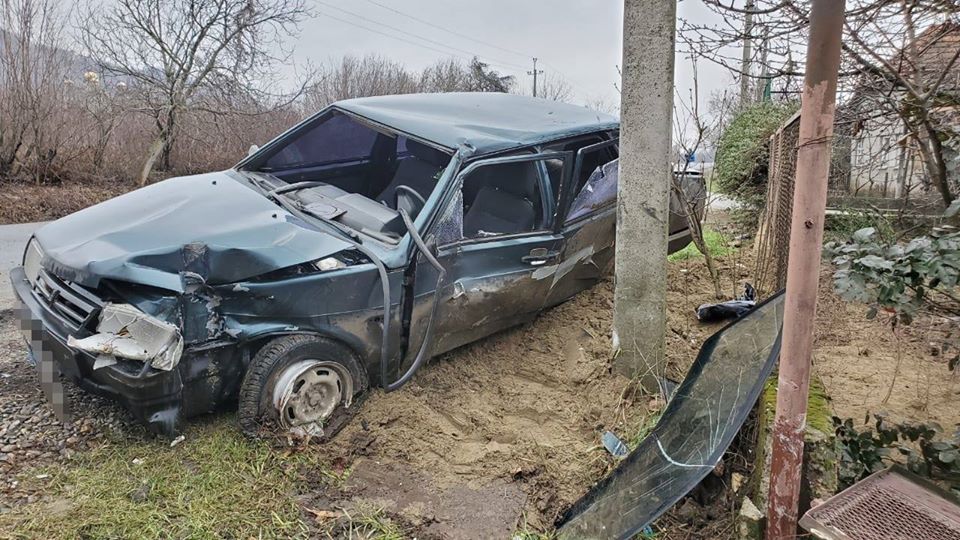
(497, 245)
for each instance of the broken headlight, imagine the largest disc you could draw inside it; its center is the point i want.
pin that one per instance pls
(326, 264)
(126, 332)
(329, 263)
(32, 257)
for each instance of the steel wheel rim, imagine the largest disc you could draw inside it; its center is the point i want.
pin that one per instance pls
(308, 392)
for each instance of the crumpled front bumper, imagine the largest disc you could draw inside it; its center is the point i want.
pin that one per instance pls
(159, 399)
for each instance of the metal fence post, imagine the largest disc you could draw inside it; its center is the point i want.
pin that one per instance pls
(803, 271)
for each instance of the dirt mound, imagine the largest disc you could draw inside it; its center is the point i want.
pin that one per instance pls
(527, 404)
(858, 361)
(522, 410)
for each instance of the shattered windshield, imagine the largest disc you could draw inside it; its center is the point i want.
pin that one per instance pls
(699, 423)
(341, 169)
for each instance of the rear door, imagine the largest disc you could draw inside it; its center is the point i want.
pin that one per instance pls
(588, 222)
(497, 242)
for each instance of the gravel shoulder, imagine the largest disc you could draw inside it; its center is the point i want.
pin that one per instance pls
(30, 435)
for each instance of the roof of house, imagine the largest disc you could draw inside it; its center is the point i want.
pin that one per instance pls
(490, 122)
(936, 48)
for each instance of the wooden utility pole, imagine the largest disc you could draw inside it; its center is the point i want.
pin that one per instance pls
(803, 267)
(534, 73)
(646, 108)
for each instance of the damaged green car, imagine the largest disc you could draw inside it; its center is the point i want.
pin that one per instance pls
(336, 258)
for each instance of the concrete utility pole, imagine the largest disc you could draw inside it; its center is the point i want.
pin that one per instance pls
(646, 107)
(534, 73)
(803, 268)
(763, 84)
(747, 52)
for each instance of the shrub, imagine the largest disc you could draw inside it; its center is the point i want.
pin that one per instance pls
(922, 448)
(743, 153)
(900, 279)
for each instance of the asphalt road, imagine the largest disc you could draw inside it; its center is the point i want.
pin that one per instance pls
(13, 238)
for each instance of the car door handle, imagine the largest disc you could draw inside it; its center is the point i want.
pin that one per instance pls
(539, 257)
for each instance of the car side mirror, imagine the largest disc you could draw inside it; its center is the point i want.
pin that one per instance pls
(252, 150)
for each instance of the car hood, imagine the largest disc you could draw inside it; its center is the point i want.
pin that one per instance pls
(210, 228)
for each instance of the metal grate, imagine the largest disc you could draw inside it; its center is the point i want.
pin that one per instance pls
(888, 505)
(72, 302)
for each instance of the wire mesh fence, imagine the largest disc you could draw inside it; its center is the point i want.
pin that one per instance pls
(772, 244)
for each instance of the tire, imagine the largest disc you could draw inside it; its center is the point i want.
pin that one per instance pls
(275, 368)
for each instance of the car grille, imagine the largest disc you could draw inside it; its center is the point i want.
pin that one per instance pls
(70, 301)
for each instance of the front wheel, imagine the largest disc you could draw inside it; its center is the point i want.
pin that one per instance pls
(300, 384)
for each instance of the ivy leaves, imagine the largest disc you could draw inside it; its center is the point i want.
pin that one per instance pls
(864, 452)
(897, 278)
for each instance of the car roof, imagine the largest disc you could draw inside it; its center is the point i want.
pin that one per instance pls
(490, 122)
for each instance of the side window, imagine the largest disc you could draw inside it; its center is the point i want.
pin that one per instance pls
(595, 182)
(599, 191)
(336, 139)
(591, 162)
(502, 199)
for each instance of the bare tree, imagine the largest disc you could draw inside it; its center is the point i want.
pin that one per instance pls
(603, 105)
(104, 106)
(352, 77)
(892, 63)
(374, 75)
(555, 88)
(691, 134)
(177, 54)
(451, 75)
(33, 81)
(913, 78)
(448, 75)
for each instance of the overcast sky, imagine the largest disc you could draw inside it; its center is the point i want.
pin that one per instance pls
(578, 40)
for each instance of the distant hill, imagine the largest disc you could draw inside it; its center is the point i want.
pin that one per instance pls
(75, 64)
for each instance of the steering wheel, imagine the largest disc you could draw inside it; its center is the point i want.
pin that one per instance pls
(418, 201)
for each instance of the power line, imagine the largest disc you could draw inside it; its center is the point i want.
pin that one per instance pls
(416, 36)
(475, 40)
(389, 35)
(447, 30)
(562, 74)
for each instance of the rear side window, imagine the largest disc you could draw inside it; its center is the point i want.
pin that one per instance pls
(591, 163)
(594, 185)
(336, 139)
(599, 191)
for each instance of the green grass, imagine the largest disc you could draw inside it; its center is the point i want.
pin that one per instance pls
(716, 243)
(526, 532)
(215, 484)
(644, 429)
(371, 523)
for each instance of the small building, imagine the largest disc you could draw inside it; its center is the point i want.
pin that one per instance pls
(886, 157)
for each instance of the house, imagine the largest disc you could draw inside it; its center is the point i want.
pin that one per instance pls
(886, 154)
